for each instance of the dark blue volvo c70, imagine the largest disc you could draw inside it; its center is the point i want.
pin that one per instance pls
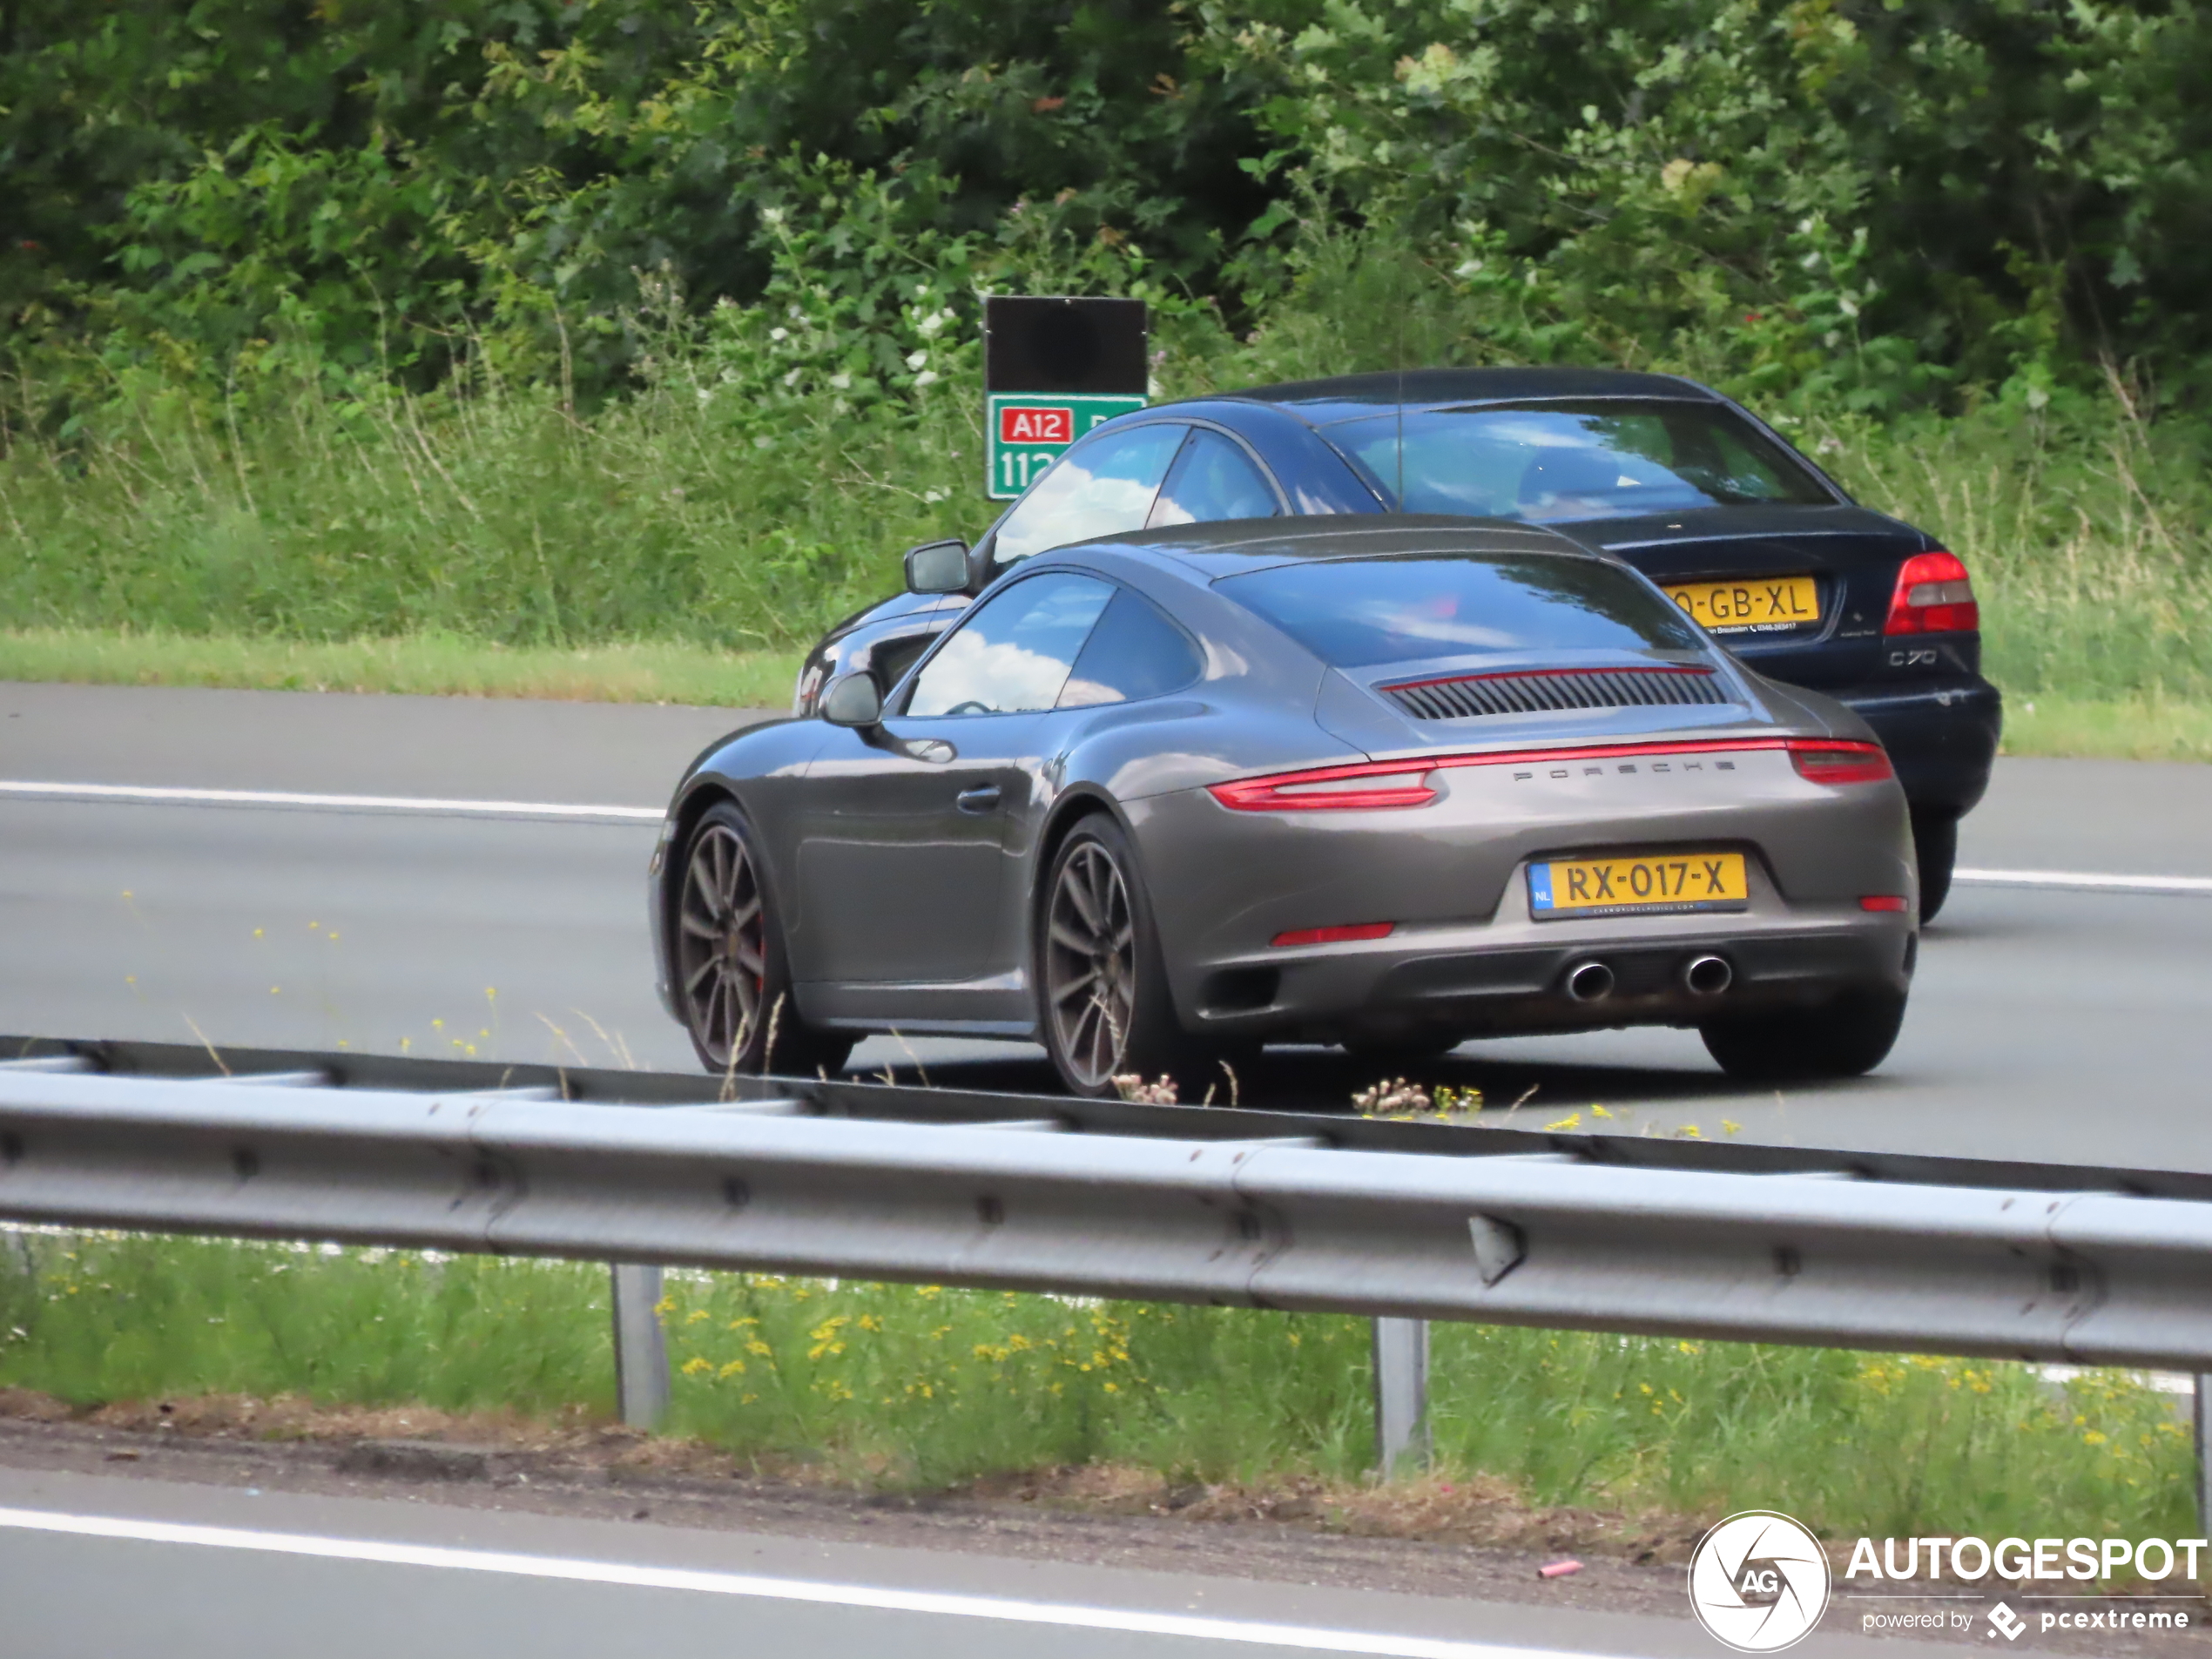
(1746, 535)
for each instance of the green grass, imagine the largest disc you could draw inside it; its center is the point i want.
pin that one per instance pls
(909, 1386)
(2151, 728)
(647, 671)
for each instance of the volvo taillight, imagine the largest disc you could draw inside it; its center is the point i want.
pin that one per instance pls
(1933, 596)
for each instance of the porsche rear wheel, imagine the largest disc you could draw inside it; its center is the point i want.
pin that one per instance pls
(1845, 1038)
(1105, 1011)
(732, 982)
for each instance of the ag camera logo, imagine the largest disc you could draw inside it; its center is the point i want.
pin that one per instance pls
(1758, 1582)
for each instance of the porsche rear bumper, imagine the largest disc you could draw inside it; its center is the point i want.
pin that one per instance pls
(1466, 951)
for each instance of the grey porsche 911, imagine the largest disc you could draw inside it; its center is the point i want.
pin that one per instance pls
(1161, 798)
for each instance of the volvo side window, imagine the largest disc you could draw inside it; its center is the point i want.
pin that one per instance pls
(1134, 653)
(1105, 485)
(1211, 479)
(1014, 652)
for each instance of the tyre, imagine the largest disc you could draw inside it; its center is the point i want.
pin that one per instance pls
(1935, 846)
(1104, 1010)
(733, 979)
(1850, 1035)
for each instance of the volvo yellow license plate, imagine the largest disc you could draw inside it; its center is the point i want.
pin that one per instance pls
(1613, 887)
(1761, 604)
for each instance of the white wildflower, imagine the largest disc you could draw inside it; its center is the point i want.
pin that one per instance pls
(928, 377)
(840, 381)
(780, 333)
(916, 359)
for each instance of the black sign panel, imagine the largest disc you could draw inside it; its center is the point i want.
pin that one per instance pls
(1032, 344)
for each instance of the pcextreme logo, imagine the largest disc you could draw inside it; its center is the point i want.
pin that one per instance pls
(1758, 1582)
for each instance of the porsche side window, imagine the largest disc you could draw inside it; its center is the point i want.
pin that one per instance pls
(1102, 486)
(1013, 653)
(1134, 653)
(1211, 479)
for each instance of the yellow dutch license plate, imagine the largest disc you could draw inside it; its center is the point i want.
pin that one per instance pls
(1612, 887)
(1761, 604)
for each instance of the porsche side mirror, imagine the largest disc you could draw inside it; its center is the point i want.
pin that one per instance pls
(937, 567)
(852, 699)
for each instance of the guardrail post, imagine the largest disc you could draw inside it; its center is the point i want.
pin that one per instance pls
(641, 1349)
(2203, 1454)
(1401, 1395)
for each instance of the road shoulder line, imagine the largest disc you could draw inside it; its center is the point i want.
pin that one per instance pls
(633, 1575)
(159, 795)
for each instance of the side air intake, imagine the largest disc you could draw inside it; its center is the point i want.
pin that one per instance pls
(1536, 691)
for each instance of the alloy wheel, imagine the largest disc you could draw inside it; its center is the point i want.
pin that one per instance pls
(1090, 963)
(722, 943)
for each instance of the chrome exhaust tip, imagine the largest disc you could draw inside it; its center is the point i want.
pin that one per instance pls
(1707, 975)
(1589, 982)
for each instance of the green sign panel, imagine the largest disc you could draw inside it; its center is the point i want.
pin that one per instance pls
(1030, 430)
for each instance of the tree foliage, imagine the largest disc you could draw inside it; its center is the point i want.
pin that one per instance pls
(1877, 201)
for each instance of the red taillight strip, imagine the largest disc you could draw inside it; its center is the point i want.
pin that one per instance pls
(1852, 762)
(1540, 673)
(1837, 761)
(1264, 794)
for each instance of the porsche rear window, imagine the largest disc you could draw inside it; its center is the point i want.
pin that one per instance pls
(1356, 613)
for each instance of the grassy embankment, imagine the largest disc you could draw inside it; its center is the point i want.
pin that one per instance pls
(874, 1385)
(496, 545)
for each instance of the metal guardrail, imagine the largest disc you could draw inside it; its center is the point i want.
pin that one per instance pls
(1402, 1221)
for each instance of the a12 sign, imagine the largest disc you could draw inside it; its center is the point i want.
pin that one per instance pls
(1027, 431)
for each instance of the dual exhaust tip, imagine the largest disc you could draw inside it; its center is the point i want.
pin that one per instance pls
(1700, 976)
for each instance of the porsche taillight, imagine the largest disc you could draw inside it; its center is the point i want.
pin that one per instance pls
(1360, 788)
(1835, 761)
(1933, 596)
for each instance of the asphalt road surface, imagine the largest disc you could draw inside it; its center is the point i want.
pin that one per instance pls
(97, 1566)
(2049, 1022)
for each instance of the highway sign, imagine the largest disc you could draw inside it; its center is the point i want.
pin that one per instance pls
(1029, 431)
(1054, 368)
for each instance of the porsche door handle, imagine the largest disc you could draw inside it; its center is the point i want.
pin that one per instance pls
(984, 797)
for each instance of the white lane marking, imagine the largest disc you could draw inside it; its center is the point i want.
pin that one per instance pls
(154, 795)
(2084, 881)
(571, 812)
(781, 1589)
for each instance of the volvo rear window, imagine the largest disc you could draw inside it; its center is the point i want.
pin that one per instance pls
(1356, 613)
(1550, 463)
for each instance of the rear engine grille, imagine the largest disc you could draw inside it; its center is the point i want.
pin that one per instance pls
(1536, 691)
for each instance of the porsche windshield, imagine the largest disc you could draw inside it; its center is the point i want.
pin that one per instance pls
(1355, 613)
(1546, 462)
